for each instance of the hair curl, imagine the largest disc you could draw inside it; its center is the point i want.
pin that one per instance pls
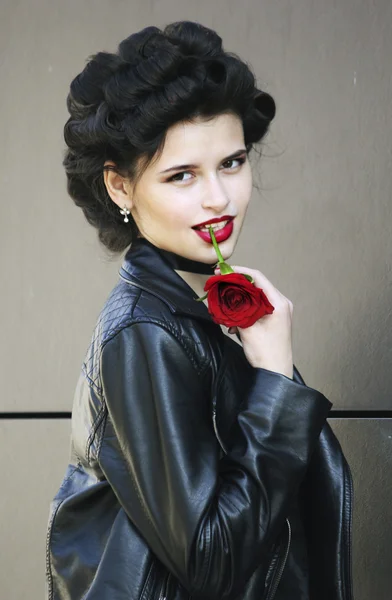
(122, 104)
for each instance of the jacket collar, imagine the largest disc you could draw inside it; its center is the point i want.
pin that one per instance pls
(152, 269)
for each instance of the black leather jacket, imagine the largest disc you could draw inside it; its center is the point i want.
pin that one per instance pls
(186, 462)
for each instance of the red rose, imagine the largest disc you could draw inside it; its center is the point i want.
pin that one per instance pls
(234, 301)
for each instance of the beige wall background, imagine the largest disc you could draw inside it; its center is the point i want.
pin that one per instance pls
(320, 229)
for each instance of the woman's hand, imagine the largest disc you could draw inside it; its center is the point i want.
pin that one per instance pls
(267, 343)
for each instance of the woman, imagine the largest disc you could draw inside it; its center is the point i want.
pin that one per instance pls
(202, 465)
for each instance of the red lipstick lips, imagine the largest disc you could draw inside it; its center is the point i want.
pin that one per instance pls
(220, 234)
(215, 220)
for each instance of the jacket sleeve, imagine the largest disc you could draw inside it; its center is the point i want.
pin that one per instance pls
(211, 520)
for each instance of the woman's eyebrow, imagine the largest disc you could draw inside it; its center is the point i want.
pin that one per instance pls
(233, 155)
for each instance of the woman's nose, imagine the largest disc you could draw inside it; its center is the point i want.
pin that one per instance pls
(215, 197)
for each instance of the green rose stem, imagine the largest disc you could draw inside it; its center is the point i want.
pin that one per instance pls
(225, 269)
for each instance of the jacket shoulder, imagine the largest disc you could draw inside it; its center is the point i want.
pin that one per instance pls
(125, 306)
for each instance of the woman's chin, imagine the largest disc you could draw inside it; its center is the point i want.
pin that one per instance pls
(205, 251)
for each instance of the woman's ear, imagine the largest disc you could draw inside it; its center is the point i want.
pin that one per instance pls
(117, 186)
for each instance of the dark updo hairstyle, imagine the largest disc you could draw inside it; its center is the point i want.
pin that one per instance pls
(122, 104)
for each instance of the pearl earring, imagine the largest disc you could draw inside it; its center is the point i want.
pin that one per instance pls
(125, 212)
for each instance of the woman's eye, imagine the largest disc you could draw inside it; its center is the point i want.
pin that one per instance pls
(240, 160)
(178, 175)
(174, 177)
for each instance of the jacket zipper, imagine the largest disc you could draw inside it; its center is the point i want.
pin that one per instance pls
(348, 535)
(280, 569)
(216, 429)
(163, 592)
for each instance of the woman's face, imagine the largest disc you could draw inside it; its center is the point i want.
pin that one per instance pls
(166, 205)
